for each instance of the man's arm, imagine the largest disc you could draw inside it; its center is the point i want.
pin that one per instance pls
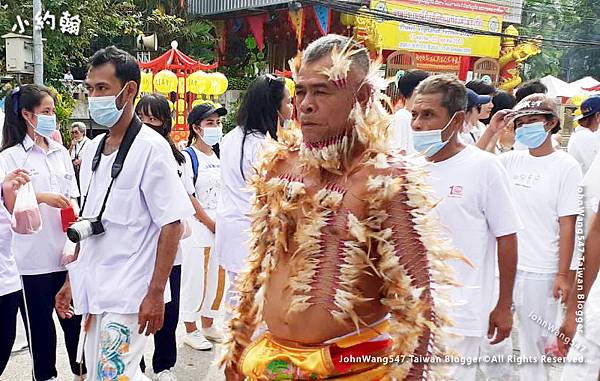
(501, 319)
(562, 283)
(579, 295)
(152, 310)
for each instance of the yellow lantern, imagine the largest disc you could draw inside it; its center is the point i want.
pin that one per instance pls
(291, 86)
(578, 99)
(165, 81)
(347, 19)
(217, 84)
(196, 82)
(146, 82)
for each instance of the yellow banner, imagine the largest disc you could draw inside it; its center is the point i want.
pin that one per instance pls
(420, 38)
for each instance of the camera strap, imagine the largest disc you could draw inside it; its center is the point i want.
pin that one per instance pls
(117, 167)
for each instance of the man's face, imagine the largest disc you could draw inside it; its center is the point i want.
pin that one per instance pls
(102, 81)
(76, 134)
(428, 114)
(323, 108)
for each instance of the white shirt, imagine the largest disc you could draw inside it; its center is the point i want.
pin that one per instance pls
(545, 189)
(476, 207)
(583, 145)
(113, 270)
(9, 273)
(233, 224)
(401, 132)
(77, 151)
(51, 171)
(208, 192)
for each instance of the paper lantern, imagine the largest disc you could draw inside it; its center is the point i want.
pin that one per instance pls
(218, 84)
(578, 99)
(146, 82)
(165, 81)
(291, 86)
(347, 19)
(197, 82)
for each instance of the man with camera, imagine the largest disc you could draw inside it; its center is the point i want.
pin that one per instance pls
(129, 226)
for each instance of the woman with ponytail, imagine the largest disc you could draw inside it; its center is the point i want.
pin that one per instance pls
(154, 111)
(29, 124)
(202, 292)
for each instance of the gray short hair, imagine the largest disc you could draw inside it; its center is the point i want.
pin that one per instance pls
(454, 93)
(324, 46)
(80, 126)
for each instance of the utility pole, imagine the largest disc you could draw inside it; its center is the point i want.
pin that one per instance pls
(38, 47)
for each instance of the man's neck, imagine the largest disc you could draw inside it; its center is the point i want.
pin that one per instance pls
(544, 150)
(593, 127)
(450, 150)
(117, 132)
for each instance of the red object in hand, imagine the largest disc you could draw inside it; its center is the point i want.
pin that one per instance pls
(67, 218)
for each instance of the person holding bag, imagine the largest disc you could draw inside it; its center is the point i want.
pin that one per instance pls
(10, 283)
(29, 124)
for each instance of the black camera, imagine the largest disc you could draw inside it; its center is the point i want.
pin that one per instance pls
(85, 228)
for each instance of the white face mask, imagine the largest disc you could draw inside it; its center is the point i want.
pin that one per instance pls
(104, 111)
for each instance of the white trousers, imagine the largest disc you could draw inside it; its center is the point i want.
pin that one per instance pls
(589, 352)
(537, 312)
(202, 284)
(113, 347)
(476, 351)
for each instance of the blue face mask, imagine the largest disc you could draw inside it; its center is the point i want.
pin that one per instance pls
(104, 111)
(46, 125)
(212, 135)
(531, 135)
(430, 142)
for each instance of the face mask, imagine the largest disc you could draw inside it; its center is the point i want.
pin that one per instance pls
(531, 135)
(46, 125)
(430, 142)
(104, 111)
(212, 135)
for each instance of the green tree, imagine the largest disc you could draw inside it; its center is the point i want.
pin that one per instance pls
(581, 61)
(551, 19)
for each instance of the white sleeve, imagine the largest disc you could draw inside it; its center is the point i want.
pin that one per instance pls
(187, 175)
(571, 180)
(74, 192)
(163, 191)
(500, 209)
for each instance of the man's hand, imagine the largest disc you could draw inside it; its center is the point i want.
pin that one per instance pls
(62, 302)
(151, 313)
(568, 329)
(76, 162)
(497, 123)
(562, 287)
(54, 200)
(501, 321)
(231, 374)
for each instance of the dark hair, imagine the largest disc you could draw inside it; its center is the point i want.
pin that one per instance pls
(530, 87)
(409, 82)
(556, 129)
(158, 106)
(26, 97)
(259, 110)
(502, 101)
(126, 67)
(481, 87)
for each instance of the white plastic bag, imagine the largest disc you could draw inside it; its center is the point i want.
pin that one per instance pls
(26, 217)
(186, 227)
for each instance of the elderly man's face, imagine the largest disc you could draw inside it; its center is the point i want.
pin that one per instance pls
(323, 108)
(428, 114)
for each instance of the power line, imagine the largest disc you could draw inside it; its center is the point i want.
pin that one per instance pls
(373, 13)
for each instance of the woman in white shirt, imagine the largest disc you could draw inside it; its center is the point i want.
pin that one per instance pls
(545, 188)
(266, 105)
(154, 111)
(203, 280)
(10, 283)
(29, 124)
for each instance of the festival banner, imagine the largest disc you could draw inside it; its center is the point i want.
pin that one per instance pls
(417, 37)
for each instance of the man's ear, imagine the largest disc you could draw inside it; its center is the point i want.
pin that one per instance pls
(459, 120)
(132, 89)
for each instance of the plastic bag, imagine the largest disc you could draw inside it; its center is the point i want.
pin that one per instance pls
(26, 217)
(187, 229)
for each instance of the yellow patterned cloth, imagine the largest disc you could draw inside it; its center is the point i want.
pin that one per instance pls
(266, 360)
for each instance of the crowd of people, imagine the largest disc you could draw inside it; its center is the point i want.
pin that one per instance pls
(319, 233)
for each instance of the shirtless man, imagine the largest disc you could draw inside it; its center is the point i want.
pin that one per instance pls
(343, 256)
